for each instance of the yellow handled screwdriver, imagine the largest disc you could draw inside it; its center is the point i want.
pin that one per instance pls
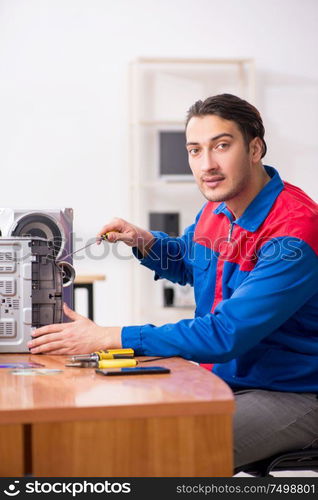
(107, 354)
(104, 363)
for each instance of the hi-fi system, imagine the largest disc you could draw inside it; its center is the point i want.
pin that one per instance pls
(36, 272)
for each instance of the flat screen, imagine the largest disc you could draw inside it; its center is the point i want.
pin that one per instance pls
(173, 154)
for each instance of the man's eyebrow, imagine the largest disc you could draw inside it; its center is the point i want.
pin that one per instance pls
(215, 138)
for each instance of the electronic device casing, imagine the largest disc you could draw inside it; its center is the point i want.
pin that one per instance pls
(31, 284)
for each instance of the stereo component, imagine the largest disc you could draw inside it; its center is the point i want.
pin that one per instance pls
(55, 225)
(31, 289)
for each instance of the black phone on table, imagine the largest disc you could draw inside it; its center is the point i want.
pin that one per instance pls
(139, 370)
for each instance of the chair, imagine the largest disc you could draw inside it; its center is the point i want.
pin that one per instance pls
(292, 461)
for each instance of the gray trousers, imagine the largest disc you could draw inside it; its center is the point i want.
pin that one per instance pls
(270, 422)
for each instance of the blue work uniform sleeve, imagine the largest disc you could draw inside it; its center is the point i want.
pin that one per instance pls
(283, 280)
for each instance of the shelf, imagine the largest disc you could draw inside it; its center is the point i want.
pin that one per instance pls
(163, 182)
(88, 278)
(195, 61)
(179, 308)
(159, 123)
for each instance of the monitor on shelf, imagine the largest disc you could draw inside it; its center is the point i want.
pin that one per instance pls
(173, 156)
(166, 222)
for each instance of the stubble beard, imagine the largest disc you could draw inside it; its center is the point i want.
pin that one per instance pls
(216, 196)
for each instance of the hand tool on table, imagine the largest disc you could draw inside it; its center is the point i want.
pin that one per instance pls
(109, 354)
(104, 363)
(106, 354)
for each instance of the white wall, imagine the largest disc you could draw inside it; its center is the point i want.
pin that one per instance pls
(64, 99)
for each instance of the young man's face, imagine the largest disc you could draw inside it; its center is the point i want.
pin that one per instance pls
(218, 157)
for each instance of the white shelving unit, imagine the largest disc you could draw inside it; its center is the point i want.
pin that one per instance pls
(162, 90)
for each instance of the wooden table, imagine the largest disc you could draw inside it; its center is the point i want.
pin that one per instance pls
(79, 423)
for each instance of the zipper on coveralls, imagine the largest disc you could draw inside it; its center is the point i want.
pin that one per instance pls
(229, 235)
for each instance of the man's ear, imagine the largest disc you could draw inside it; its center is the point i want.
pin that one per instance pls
(256, 149)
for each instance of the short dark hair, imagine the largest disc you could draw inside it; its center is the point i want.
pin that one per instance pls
(231, 107)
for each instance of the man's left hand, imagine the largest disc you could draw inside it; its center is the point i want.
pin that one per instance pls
(80, 336)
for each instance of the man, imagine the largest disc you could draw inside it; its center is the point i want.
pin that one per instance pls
(251, 256)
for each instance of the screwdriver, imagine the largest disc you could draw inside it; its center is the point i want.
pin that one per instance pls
(109, 354)
(104, 237)
(104, 363)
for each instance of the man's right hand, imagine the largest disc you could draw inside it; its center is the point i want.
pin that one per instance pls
(133, 236)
